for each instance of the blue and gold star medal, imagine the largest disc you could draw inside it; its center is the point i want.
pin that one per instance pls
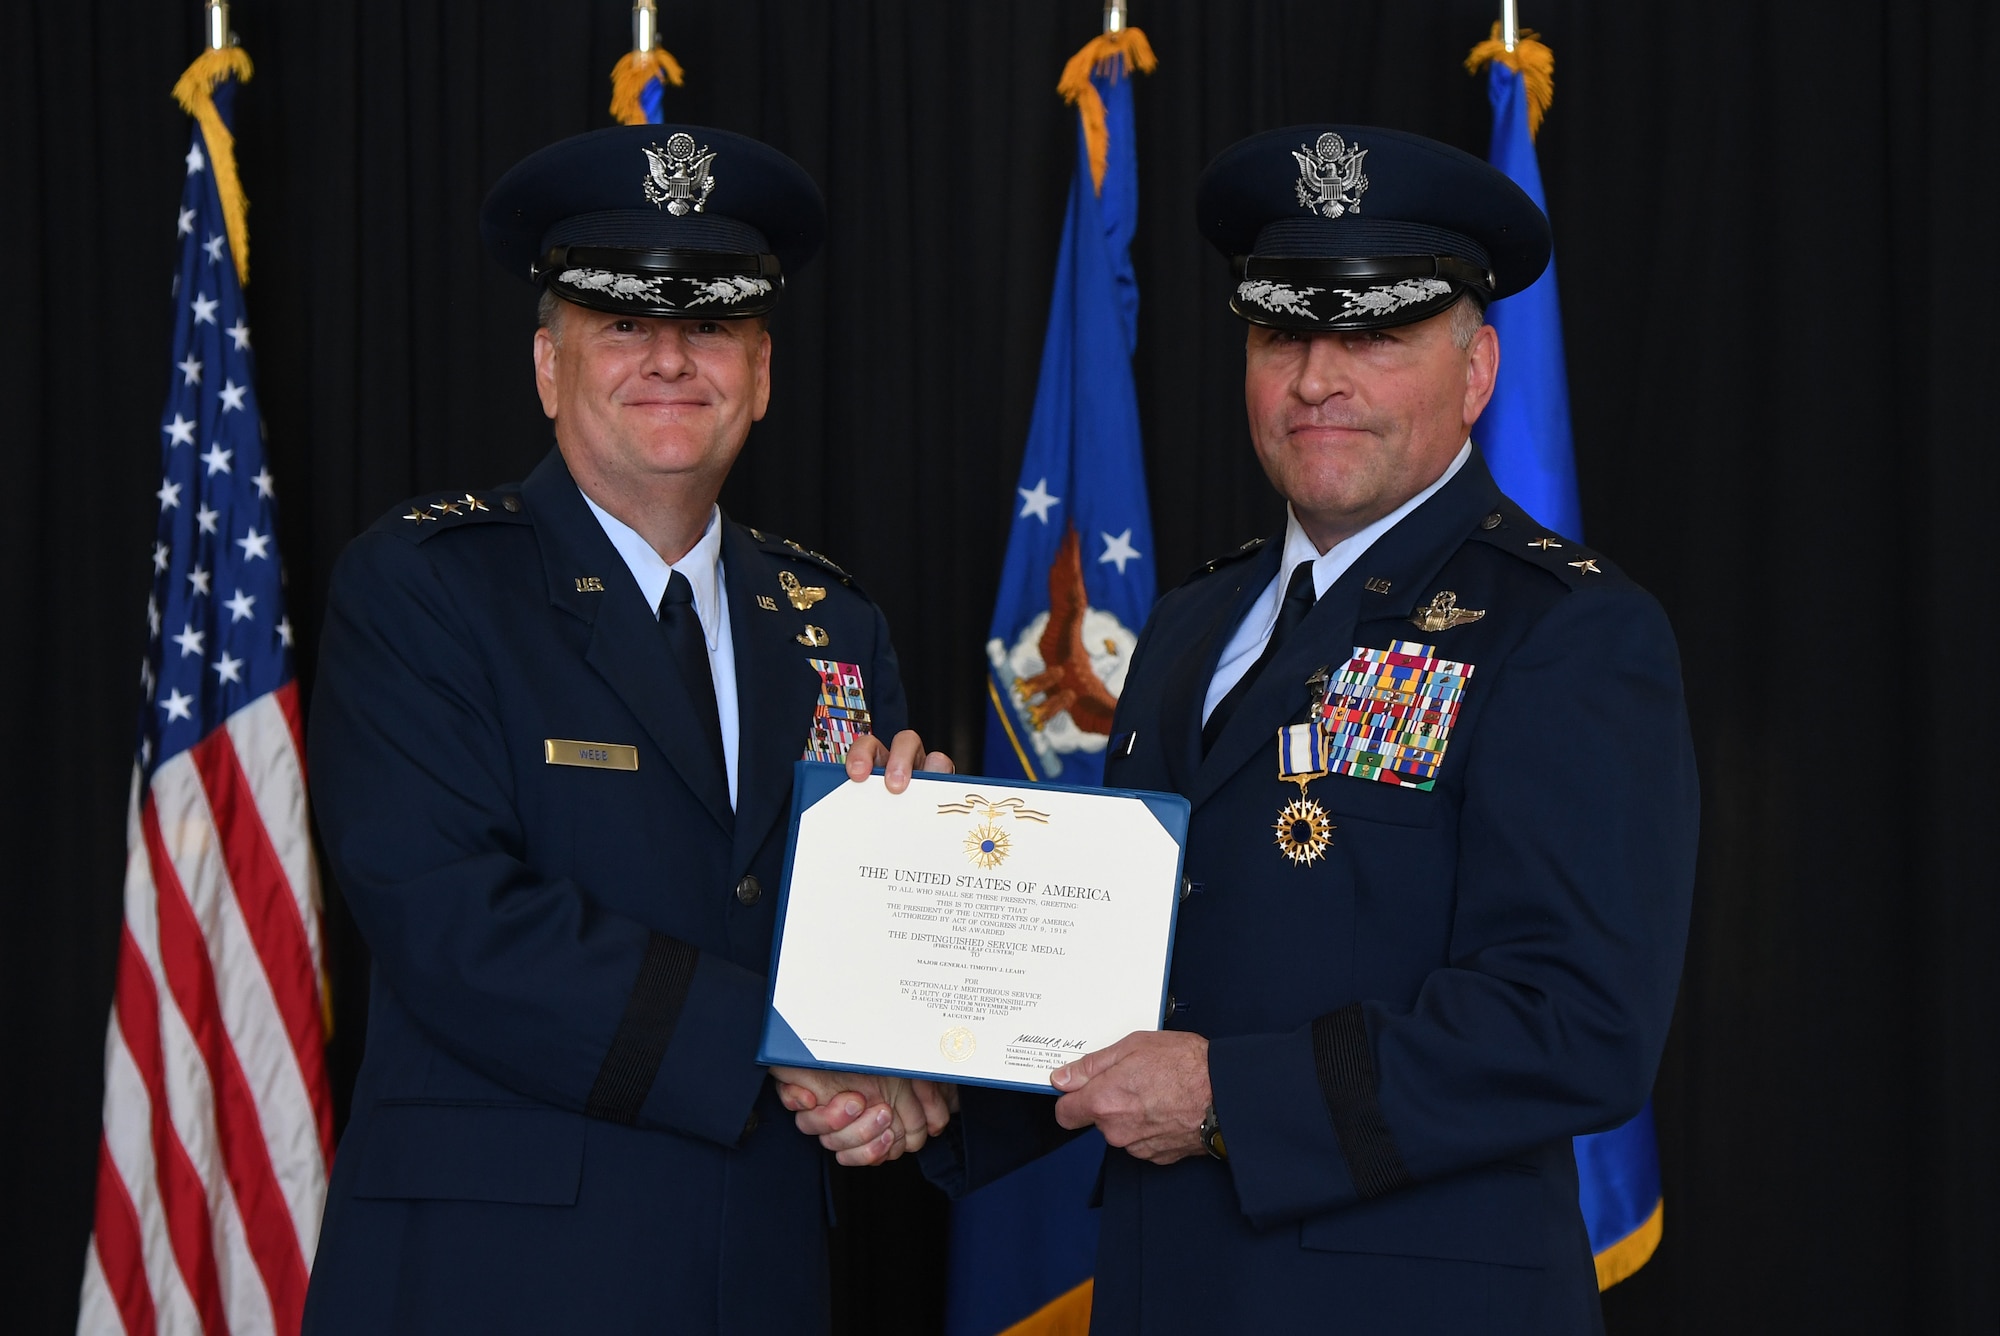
(1303, 828)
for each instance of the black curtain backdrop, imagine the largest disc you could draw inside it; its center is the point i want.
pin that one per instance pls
(1772, 225)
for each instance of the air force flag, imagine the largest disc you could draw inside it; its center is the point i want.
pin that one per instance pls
(1078, 578)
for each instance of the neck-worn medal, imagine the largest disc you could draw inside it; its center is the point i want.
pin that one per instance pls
(1303, 828)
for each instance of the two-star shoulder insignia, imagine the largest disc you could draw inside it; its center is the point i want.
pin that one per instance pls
(1519, 534)
(426, 515)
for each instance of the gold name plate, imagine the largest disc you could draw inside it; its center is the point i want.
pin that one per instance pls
(594, 755)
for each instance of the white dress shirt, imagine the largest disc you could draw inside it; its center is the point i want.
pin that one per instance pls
(1254, 630)
(703, 568)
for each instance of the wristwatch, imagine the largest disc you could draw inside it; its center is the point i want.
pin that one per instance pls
(1210, 1133)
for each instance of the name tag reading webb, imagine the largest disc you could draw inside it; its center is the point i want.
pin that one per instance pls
(594, 755)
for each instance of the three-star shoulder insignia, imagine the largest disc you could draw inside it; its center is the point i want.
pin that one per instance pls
(785, 547)
(459, 508)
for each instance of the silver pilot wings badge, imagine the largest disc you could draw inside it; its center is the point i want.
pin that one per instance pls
(677, 176)
(1330, 180)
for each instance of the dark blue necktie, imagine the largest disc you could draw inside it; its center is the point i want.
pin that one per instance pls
(689, 647)
(1298, 602)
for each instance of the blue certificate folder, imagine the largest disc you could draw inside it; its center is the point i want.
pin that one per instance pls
(814, 781)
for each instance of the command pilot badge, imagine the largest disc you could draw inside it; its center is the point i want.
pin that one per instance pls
(677, 176)
(1442, 613)
(1330, 181)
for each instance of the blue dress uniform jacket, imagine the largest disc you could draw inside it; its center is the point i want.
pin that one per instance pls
(559, 1124)
(1405, 1033)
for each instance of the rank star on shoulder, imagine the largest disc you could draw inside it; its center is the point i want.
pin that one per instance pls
(1119, 550)
(1036, 501)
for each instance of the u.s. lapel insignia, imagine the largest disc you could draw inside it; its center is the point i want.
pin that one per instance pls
(589, 584)
(1303, 828)
(767, 603)
(813, 637)
(1443, 613)
(801, 596)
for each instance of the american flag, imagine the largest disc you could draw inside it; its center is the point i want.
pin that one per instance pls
(218, 1122)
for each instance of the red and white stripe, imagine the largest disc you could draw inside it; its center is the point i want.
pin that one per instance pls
(218, 1119)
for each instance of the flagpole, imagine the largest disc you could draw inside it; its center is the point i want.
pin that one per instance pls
(1114, 15)
(1510, 25)
(645, 25)
(215, 20)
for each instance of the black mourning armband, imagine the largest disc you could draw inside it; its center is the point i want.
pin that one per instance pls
(1347, 1082)
(651, 1014)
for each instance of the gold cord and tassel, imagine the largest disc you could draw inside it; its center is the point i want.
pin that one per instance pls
(1136, 52)
(1534, 62)
(195, 91)
(630, 77)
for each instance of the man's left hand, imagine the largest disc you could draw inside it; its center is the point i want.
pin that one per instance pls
(1147, 1093)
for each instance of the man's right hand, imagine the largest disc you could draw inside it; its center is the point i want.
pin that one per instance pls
(863, 1119)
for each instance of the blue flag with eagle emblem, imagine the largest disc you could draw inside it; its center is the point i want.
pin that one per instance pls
(1078, 577)
(1075, 588)
(1525, 437)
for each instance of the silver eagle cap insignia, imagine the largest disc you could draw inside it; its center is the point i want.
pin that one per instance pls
(678, 176)
(1330, 181)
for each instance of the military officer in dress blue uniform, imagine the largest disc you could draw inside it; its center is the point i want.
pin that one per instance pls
(552, 747)
(1444, 814)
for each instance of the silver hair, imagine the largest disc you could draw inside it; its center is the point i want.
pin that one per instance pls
(549, 315)
(1467, 315)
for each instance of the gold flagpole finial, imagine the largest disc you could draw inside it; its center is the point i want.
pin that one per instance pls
(645, 25)
(1510, 25)
(215, 25)
(1114, 15)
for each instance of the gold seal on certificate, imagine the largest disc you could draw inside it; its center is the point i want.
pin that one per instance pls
(970, 929)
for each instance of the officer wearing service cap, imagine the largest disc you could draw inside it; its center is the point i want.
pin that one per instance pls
(552, 744)
(1444, 812)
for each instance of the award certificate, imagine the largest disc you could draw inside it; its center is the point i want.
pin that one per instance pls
(967, 929)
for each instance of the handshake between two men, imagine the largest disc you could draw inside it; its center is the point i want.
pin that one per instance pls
(1148, 1094)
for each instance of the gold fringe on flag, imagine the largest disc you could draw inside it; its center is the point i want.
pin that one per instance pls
(195, 91)
(1098, 52)
(1535, 63)
(630, 77)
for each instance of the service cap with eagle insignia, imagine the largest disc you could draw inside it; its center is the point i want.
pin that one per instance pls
(676, 221)
(1335, 227)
